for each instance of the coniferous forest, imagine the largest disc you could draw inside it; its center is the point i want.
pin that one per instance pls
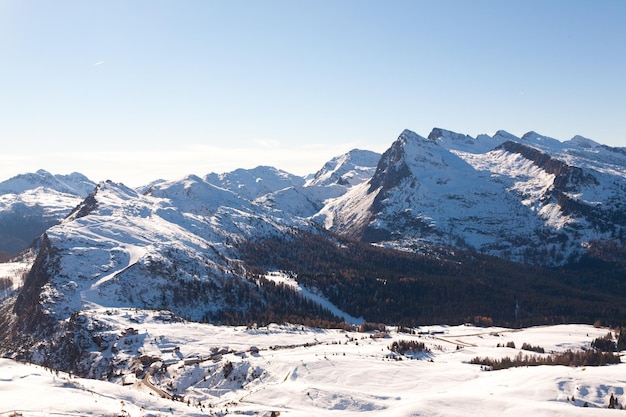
(452, 287)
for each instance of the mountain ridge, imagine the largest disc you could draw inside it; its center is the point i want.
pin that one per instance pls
(579, 196)
(447, 190)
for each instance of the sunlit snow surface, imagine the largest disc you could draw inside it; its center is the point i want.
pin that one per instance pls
(301, 371)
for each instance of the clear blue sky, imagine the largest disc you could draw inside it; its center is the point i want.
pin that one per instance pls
(139, 90)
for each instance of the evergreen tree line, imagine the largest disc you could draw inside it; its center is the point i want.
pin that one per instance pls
(398, 287)
(590, 357)
(242, 302)
(403, 346)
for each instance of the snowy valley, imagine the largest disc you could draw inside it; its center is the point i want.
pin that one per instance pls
(298, 371)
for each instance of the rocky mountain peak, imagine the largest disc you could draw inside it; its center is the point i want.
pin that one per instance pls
(392, 167)
(438, 134)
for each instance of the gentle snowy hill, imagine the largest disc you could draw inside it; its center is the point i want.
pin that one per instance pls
(299, 371)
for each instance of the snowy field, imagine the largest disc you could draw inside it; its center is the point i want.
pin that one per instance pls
(297, 371)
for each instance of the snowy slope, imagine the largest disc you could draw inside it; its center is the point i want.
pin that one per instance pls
(313, 294)
(12, 273)
(30, 390)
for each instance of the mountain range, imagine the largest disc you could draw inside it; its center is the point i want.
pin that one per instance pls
(532, 199)
(404, 231)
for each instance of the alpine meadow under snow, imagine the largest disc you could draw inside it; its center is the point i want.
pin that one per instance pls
(365, 288)
(298, 371)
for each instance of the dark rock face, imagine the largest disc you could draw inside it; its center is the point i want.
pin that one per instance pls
(87, 206)
(392, 167)
(567, 176)
(27, 307)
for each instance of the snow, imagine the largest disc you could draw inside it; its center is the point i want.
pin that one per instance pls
(29, 390)
(351, 210)
(301, 371)
(92, 295)
(256, 182)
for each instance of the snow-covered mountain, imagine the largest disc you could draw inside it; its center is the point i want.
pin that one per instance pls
(31, 203)
(122, 248)
(349, 169)
(75, 183)
(532, 199)
(333, 180)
